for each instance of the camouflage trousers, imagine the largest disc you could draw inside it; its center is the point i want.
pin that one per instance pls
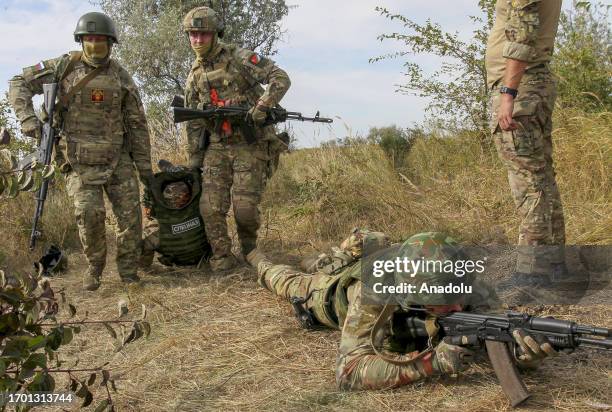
(150, 242)
(233, 174)
(123, 194)
(527, 154)
(358, 367)
(288, 282)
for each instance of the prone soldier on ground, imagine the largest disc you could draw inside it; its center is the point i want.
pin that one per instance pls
(372, 355)
(103, 138)
(233, 169)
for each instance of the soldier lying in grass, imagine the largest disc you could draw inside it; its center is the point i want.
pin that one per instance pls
(371, 355)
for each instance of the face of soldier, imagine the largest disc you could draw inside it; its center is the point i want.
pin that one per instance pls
(177, 194)
(201, 42)
(96, 47)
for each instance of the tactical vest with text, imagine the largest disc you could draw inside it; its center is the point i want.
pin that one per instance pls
(182, 238)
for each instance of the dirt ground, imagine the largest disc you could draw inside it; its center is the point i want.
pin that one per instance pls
(224, 343)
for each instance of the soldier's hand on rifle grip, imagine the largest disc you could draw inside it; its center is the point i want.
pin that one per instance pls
(258, 114)
(530, 350)
(32, 127)
(451, 359)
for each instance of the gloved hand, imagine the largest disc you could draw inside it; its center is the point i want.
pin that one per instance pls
(32, 128)
(258, 114)
(530, 351)
(451, 359)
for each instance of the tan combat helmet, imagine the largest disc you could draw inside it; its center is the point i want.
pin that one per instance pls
(203, 19)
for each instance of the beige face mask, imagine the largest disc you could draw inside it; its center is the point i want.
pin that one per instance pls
(202, 49)
(96, 52)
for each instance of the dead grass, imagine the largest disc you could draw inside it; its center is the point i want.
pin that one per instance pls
(223, 343)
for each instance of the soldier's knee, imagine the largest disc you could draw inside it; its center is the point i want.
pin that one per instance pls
(90, 217)
(246, 211)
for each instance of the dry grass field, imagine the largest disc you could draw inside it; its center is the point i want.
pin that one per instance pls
(223, 343)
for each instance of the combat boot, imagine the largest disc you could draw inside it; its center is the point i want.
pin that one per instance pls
(255, 257)
(91, 280)
(146, 259)
(223, 263)
(129, 278)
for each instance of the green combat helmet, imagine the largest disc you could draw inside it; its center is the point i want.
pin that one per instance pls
(203, 19)
(437, 252)
(95, 23)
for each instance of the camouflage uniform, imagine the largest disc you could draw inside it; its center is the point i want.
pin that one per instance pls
(525, 30)
(334, 295)
(103, 139)
(233, 170)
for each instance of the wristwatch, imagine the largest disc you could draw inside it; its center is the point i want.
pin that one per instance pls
(507, 90)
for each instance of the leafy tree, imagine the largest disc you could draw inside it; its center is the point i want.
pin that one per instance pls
(394, 141)
(154, 48)
(13, 180)
(583, 58)
(458, 90)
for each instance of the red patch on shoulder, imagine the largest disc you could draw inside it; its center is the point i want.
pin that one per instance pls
(254, 58)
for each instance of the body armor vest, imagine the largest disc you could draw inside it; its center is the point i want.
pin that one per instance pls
(182, 238)
(93, 126)
(222, 80)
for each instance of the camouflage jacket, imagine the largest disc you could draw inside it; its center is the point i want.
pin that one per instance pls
(524, 30)
(97, 123)
(231, 75)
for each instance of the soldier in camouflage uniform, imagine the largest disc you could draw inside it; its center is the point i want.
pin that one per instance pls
(233, 170)
(523, 93)
(370, 355)
(103, 140)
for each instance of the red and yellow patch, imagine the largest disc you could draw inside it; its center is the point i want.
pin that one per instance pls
(255, 59)
(97, 95)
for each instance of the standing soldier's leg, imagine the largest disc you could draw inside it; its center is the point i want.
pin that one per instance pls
(557, 217)
(215, 203)
(527, 154)
(123, 193)
(150, 243)
(90, 214)
(249, 172)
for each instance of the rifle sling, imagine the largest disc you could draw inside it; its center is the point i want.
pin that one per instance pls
(74, 57)
(65, 99)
